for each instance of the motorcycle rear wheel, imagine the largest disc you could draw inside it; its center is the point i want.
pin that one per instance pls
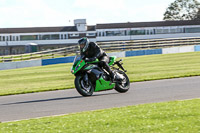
(82, 88)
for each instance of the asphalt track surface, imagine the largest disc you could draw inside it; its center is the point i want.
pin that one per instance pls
(35, 105)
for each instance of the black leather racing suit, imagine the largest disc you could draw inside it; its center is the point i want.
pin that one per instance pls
(95, 52)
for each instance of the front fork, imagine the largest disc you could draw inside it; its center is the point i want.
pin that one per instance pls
(85, 79)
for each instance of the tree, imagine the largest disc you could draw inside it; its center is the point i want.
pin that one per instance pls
(197, 16)
(182, 10)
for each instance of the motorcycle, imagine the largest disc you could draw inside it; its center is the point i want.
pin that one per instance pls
(89, 77)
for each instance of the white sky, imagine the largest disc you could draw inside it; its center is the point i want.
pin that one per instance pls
(45, 13)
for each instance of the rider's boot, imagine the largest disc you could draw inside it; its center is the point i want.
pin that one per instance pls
(111, 73)
(112, 77)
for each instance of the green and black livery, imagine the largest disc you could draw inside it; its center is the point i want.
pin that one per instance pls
(89, 77)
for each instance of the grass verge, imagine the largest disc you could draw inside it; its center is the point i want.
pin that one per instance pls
(140, 68)
(167, 117)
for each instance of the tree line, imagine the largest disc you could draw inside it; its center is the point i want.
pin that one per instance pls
(183, 10)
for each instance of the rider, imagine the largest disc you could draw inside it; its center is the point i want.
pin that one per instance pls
(90, 51)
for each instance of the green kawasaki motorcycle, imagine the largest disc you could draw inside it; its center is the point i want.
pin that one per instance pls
(89, 77)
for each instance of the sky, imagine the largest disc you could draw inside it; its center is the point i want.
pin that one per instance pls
(49, 13)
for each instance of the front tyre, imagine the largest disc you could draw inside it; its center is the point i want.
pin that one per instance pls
(122, 86)
(83, 88)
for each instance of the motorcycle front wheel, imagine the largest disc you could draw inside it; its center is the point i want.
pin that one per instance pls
(124, 85)
(82, 87)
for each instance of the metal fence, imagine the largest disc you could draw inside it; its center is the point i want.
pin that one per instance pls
(61, 52)
(149, 44)
(108, 47)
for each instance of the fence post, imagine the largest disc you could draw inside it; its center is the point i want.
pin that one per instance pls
(52, 55)
(65, 53)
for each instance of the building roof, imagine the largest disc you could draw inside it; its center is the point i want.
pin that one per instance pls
(147, 24)
(99, 26)
(42, 29)
(91, 28)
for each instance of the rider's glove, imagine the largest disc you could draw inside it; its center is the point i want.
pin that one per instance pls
(90, 59)
(87, 59)
(82, 56)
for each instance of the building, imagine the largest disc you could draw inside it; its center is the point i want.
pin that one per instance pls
(14, 40)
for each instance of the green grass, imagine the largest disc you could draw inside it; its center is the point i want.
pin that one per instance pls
(167, 117)
(35, 79)
(144, 68)
(140, 68)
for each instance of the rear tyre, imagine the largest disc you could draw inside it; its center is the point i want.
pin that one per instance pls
(123, 85)
(82, 87)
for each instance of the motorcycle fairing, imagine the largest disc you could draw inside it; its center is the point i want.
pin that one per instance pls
(101, 85)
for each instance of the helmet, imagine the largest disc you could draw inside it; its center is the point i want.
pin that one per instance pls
(83, 43)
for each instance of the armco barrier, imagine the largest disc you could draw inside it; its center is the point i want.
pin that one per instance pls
(20, 64)
(170, 50)
(30, 63)
(118, 54)
(43, 62)
(135, 53)
(57, 60)
(182, 49)
(197, 48)
(186, 49)
(153, 51)
(8, 65)
(143, 52)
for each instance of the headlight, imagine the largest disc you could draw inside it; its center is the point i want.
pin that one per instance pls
(72, 71)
